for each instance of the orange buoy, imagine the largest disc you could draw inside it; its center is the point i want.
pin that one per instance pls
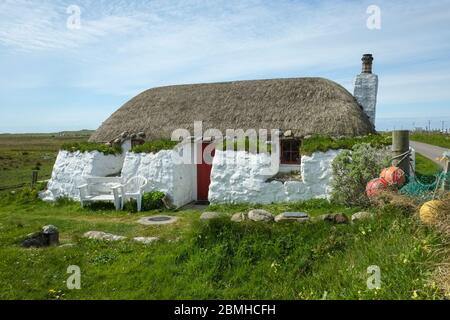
(376, 186)
(394, 176)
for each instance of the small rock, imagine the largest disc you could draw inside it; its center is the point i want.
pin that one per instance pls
(37, 240)
(99, 235)
(124, 134)
(337, 218)
(52, 234)
(49, 236)
(292, 216)
(287, 133)
(67, 245)
(260, 215)
(239, 217)
(146, 240)
(49, 229)
(362, 215)
(210, 215)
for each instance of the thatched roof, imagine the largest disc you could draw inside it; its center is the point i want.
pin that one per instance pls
(304, 105)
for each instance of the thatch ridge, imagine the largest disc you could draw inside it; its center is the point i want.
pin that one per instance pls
(304, 105)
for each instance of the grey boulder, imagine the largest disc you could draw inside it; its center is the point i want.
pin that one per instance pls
(362, 215)
(292, 216)
(210, 215)
(260, 215)
(100, 235)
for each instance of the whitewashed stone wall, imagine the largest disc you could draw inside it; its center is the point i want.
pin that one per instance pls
(163, 174)
(70, 168)
(240, 177)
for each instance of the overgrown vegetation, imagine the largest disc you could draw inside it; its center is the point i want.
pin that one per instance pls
(153, 200)
(92, 146)
(150, 201)
(352, 170)
(244, 145)
(325, 143)
(434, 138)
(154, 146)
(217, 259)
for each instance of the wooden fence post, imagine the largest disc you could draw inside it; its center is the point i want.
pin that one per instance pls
(446, 182)
(400, 145)
(34, 178)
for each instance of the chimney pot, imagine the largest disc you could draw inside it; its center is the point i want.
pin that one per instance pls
(367, 63)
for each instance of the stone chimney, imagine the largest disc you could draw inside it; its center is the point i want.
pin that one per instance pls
(367, 63)
(366, 88)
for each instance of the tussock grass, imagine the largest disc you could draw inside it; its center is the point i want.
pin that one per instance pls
(154, 146)
(92, 146)
(325, 143)
(217, 259)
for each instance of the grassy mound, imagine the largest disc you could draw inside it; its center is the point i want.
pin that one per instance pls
(154, 146)
(325, 143)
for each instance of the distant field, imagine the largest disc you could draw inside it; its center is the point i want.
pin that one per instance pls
(21, 154)
(437, 139)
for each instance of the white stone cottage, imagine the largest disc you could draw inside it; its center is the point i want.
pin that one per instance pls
(297, 107)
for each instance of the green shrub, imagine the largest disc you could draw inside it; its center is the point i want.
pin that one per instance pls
(154, 146)
(27, 195)
(352, 170)
(246, 142)
(150, 201)
(325, 143)
(90, 146)
(153, 200)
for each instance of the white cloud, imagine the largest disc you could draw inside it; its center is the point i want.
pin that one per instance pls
(124, 47)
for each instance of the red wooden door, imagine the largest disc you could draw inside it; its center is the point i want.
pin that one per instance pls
(203, 176)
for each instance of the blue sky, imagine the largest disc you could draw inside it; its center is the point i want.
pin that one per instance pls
(54, 78)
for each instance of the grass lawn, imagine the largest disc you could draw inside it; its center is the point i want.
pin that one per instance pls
(426, 167)
(217, 259)
(437, 139)
(205, 260)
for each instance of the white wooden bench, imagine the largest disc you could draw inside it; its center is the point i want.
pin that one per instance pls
(101, 189)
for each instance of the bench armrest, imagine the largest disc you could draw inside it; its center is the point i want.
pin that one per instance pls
(84, 191)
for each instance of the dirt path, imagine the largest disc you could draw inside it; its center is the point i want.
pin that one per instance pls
(429, 151)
